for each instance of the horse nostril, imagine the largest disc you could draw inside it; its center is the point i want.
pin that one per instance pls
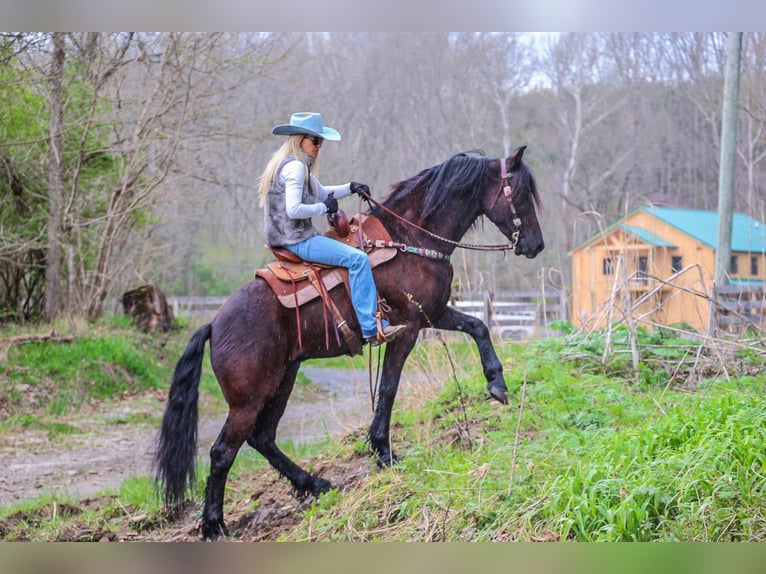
(533, 252)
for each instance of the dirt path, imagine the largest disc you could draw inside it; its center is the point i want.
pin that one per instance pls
(105, 456)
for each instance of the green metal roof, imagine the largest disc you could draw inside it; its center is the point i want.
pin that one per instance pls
(646, 236)
(748, 234)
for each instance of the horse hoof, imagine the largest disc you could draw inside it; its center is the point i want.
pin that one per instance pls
(385, 460)
(212, 532)
(498, 393)
(313, 486)
(320, 486)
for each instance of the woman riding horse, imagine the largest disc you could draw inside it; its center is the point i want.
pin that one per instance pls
(291, 195)
(254, 354)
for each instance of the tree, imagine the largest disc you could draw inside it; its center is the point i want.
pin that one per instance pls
(164, 137)
(23, 197)
(753, 120)
(55, 180)
(579, 69)
(728, 156)
(123, 109)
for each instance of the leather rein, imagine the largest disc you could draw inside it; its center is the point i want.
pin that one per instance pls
(505, 189)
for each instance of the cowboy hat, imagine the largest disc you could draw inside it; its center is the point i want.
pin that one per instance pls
(309, 123)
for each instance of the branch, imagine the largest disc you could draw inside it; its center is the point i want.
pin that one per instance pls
(39, 338)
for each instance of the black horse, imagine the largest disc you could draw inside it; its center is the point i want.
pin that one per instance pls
(253, 345)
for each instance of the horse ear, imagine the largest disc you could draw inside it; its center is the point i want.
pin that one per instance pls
(515, 159)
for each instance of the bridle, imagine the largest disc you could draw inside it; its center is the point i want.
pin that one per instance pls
(505, 185)
(504, 189)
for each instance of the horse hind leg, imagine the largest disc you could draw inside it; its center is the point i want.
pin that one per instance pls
(222, 454)
(264, 434)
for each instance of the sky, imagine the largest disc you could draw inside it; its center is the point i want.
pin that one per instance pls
(385, 15)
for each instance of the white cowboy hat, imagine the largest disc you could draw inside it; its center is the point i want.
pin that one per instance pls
(309, 123)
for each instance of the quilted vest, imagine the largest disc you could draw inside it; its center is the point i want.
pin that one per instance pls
(280, 229)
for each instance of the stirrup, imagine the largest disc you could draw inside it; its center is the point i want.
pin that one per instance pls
(386, 334)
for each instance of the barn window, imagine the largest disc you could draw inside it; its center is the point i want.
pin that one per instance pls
(608, 266)
(676, 263)
(734, 265)
(643, 269)
(754, 266)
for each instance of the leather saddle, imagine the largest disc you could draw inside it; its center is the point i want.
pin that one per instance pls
(296, 282)
(289, 276)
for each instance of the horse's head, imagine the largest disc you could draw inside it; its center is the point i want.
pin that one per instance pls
(511, 202)
(445, 200)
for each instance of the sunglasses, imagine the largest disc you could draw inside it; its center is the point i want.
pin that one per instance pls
(316, 140)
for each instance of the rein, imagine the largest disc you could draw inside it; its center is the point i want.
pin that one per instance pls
(505, 189)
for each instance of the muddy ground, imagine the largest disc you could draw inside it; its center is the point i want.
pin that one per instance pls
(107, 453)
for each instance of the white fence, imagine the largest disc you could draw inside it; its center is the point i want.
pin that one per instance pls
(508, 314)
(516, 314)
(203, 308)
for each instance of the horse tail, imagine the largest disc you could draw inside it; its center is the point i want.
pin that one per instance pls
(177, 444)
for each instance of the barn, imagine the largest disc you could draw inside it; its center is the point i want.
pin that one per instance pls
(661, 261)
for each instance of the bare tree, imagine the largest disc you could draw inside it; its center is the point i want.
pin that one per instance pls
(55, 180)
(159, 89)
(728, 158)
(166, 134)
(695, 62)
(752, 150)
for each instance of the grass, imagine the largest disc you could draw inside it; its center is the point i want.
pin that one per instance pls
(54, 394)
(593, 456)
(591, 448)
(101, 363)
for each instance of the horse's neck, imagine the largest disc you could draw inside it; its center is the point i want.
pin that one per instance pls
(450, 222)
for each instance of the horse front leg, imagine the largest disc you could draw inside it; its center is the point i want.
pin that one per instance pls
(453, 320)
(380, 429)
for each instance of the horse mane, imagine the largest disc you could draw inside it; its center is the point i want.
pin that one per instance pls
(460, 174)
(464, 174)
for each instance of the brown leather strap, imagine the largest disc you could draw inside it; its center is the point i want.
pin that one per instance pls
(352, 341)
(318, 284)
(297, 307)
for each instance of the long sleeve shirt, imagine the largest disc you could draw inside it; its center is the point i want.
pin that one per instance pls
(293, 176)
(290, 204)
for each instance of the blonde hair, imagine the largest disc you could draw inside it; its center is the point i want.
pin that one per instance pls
(291, 147)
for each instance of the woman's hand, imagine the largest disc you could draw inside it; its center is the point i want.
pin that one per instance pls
(331, 204)
(361, 189)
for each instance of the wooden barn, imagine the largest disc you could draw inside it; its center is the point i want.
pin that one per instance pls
(661, 261)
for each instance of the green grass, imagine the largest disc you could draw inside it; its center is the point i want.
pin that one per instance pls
(107, 362)
(53, 428)
(589, 449)
(87, 368)
(594, 456)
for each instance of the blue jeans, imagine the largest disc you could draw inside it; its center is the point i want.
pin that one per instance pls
(364, 295)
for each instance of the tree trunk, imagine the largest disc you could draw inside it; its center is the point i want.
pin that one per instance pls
(149, 309)
(728, 155)
(52, 304)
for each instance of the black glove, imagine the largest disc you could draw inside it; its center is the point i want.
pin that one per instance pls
(331, 204)
(360, 188)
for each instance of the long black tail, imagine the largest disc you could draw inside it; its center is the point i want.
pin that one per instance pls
(177, 445)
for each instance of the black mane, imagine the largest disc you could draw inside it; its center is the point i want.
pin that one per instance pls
(461, 175)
